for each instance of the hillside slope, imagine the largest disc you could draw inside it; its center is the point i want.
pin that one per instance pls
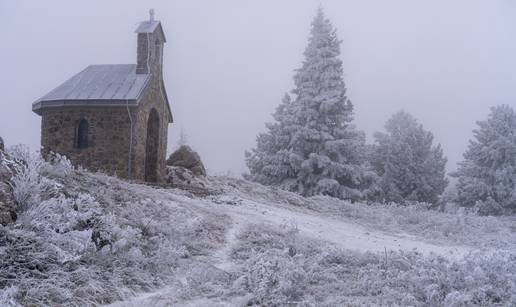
(90, 239)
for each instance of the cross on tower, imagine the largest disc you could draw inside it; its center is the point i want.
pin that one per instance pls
(151, 14)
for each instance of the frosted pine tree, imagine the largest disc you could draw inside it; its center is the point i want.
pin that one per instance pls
(487, 176)
(269, 162)
(313, 147)
(409, 166)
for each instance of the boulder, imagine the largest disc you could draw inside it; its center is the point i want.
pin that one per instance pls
(5, 171)
(179, 175)
(186, 157)
(184, 179)
(7, 203)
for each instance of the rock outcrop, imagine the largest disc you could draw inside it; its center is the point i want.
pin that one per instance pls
(7, 204)
(187, 158)
(184, 179)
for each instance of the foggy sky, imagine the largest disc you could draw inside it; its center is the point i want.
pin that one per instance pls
(228, 63)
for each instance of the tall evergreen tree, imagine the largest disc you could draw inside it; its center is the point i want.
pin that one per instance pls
(409, 166)
(487, 176)
(313, 147)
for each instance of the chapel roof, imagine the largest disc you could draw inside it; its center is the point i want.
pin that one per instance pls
(98, 85)
(101, 82)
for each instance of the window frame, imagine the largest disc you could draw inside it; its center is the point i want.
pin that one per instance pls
(82, 134)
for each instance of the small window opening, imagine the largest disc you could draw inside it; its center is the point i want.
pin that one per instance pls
(82, 134)
(157, 47)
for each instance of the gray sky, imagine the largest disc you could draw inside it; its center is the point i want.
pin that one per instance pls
(228, 63)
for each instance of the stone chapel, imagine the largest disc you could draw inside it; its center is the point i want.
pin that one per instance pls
(113, 118)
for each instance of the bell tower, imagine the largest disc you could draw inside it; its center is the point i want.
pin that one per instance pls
(150, 41)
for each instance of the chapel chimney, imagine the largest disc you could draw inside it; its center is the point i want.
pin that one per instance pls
(149, 52)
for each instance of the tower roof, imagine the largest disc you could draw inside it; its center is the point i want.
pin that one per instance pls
(151, 26)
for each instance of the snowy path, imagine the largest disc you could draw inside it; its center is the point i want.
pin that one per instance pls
(222, 256)
(346, 235)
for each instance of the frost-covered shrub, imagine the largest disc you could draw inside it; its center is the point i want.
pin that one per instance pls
(88, 239)
(21, 153)
(28, 184)
(275, 279)
(486, 176)
(66, 223)
(8, 295)
(273, 270)
(58, 166)
(323, 275)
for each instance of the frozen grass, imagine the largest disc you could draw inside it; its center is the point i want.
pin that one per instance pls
(85, 239)
(280, 268)
(454, 226)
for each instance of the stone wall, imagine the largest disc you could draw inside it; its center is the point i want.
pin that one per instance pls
(108, 136)
(152, 99)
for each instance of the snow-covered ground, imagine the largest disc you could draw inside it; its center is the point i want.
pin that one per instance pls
(246, 205)
(341, 233)
(241, 243)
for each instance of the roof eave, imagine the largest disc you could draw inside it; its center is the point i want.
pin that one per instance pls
(38, 106)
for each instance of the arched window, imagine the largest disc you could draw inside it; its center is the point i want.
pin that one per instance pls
(82, 135)
(157, 50)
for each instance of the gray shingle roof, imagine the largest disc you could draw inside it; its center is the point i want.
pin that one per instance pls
(100, 82)
(109, 84)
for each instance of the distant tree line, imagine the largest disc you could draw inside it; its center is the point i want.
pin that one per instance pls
(313, 147)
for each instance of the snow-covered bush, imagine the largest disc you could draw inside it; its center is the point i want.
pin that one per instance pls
(409, 167)
(313, 146)
(89, 239)
(275, 278)
(21, 153)
(273, 272)
(58, 166)
(28, 184)
(65, 223)
(322, 275)
(8, 296)
(486, 177)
